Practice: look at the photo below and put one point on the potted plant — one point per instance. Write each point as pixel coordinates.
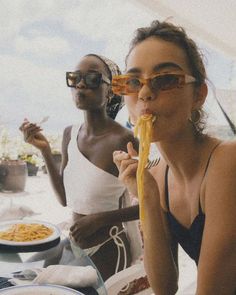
(33, 163)
(55, 142)
(31, 156)
(13, 171)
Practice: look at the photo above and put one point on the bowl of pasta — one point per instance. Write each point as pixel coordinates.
(27, 236)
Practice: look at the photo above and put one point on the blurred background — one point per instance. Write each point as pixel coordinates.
(42, 39)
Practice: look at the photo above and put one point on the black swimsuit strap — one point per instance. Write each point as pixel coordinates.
(205, 172)
(166, 188)
(209, 158)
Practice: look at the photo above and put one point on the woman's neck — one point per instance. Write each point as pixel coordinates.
(131, 122)
(97, 123)
(183, 155)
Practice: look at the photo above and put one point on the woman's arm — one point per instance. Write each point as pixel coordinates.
(89, 224)
(159, 260)
(32, 134)
(120, 215)
(160, 251)
(217, 264)
(56, 176)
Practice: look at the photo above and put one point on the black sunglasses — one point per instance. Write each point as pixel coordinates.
(91, 79)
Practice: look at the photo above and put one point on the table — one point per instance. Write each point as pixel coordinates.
(12, 262)
(38, 201)
(43, 205)
(39, 197)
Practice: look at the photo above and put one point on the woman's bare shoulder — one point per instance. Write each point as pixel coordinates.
(224, 155)
(66, 135)
(158, 172)
(120, 129)
(122, 135)
(67, 131)
(220, 182)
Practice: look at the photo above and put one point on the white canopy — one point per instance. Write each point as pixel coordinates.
(211, 21)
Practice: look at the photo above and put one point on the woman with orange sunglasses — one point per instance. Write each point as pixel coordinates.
(190, 197)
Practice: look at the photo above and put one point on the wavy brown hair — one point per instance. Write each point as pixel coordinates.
(176, 35)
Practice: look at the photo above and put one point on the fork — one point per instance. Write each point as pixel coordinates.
(21, 275)
(150, 163)
(43, 120)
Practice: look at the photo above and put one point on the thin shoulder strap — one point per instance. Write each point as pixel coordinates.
(205, 172)
(74, 132)
(209, 158)
(166, 188)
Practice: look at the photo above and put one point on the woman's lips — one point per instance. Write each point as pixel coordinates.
(146, 112)
(80, 94)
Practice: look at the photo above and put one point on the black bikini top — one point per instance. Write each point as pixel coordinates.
(190, 238)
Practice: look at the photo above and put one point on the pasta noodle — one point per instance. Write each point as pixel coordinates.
(26, 232)
(143, 128)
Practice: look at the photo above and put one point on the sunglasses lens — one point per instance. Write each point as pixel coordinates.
(123, 85)
(72, 79)
(133, 85)
(93, 80)
(118, 85)
(165, 82)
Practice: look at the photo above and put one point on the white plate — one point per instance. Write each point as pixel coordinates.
(55, 235)
(39, 289)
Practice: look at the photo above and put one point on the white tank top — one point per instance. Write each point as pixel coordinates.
(88, 188)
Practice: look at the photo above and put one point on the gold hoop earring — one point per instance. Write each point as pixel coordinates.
(195, 117)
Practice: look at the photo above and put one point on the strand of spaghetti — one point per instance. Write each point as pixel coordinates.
(143, 128)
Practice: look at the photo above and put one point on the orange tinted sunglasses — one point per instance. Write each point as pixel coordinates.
(130, 84)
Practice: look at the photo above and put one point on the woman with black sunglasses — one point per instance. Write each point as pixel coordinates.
(190, 197)
(88, 181)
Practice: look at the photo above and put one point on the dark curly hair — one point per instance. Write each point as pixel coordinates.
(177, 35)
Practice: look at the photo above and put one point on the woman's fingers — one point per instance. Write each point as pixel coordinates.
(129, 171)
(124, 165)
(73, 232)
(131, 151)
(76, 233)
(72, 227)
(29, 130)
(29, 136)
(32, 129)
(127, 167)
(26, 126)
(119, 156)
(123, 160)
(25, 122)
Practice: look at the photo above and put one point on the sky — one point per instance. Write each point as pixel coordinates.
(42, 39)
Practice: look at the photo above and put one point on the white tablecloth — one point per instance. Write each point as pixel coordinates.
(40, 198)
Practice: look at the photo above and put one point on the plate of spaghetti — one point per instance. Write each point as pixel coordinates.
(25, 235)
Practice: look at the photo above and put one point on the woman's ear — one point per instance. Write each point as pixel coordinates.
(200, 95)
